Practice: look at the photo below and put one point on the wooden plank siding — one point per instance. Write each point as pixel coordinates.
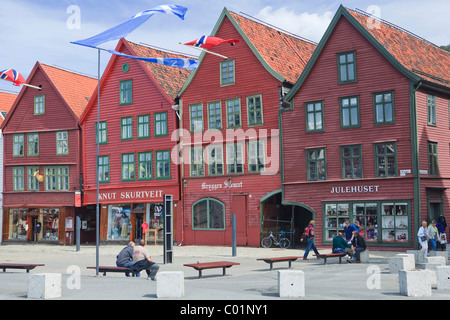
(374, 74)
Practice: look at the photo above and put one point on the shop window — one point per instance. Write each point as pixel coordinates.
(119, 225)
(314, 116)
(367, 215)
(208, 214)
(395, 222)
(161, 124)
(18, 224)
(335, 216)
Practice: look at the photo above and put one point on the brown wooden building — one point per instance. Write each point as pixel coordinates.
(230, 135)
(366, 133)
(136, 124)
(42, 138)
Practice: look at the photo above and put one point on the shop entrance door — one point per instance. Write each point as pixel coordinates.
(239, 208)
(138, 226)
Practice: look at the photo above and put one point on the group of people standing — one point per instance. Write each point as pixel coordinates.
(430, 236)
(137, 258)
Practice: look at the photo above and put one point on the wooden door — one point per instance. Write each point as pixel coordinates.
(239, 208)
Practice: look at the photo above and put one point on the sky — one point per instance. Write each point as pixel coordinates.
(42, 30)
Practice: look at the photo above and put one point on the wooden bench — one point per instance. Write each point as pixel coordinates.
(210, 265)
(330, 255)
(26, 266)
(106, 269)
(271, 261)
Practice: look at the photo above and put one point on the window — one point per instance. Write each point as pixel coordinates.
(235, 158)
(103, 134)
(143, 126)
(316, 164)
(103, 169)
(128, 167)
(196, 117)
(346, 67)
(57, 178)
(62, 143)
(215, 115)
(208, 214)
(384, 107)
(18, 145)
(256, 156)
(126, 125)
(126, 92)
(227, 73)
(349, 112)
(314, 116)
(197, 164)
(39, 105)
(335, 216)
(233, 113)
(431, 106)
(163, 164)
(433, 164)
(145, 166)
(254, 110)
(215, 160)
(394, 222)
(33, 183)
(386, 159)
(161, 124)
(18, 179)
(351, 158)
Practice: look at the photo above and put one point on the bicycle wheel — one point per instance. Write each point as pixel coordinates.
(266, 242)
(284, 243)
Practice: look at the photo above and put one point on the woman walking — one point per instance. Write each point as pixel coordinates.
(422, 235)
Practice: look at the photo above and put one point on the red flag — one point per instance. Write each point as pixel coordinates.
(12, 75)
(209, 42)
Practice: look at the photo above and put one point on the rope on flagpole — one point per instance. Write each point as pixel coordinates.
(207, 51)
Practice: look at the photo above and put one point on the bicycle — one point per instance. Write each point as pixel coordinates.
(281, 241)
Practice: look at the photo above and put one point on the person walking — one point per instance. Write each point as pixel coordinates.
(310, 235)
(422, 235)
(433, 235)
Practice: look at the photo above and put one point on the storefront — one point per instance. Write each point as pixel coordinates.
(33, 224)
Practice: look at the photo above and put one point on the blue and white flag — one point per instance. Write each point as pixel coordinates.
(189, 64)
(123, 29)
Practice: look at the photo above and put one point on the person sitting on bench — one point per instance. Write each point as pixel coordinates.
(358, 245)
(125, 258)
(142, 261)
(341, 246)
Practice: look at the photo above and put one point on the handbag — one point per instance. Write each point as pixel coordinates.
(423, 239)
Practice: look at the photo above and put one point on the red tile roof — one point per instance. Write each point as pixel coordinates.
(171, 79)
(419, 56)
(285, 53)
(75, 88)
(6, 101)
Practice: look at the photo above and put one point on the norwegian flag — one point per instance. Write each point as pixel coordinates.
(209, 42)
(12, 75)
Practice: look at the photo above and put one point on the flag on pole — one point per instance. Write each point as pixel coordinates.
(209, 42)
(123, 29)
(189, 64)
(12, 75)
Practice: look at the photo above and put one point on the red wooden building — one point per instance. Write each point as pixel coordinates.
(230, 136)
(136, 124)
(366, 132)
(42, 139)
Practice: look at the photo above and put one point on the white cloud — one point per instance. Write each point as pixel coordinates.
(308, 25)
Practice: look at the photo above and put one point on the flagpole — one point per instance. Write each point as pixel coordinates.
(97, 213)
(31, 86)
(207, 51)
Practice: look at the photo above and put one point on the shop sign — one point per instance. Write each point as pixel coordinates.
(221, 186)
(130, 195)
(355, 189)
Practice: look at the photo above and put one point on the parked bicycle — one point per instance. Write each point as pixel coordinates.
(280, 241)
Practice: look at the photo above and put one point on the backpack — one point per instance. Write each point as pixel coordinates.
(305, 234)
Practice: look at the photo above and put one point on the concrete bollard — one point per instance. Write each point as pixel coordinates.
(291, 283)
(170, 284)
(401, 262)
(44, 285)
(443, 277)
(418, 255)
(415, 283)
(364, 256)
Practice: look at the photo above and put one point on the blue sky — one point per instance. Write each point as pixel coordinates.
(41, 30)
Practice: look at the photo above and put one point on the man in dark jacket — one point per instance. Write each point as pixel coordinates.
(125, 257)
(358, 245)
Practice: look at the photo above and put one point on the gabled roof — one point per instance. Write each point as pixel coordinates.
(6, 102)
(413, 56)
(76, 89)
(284, 55)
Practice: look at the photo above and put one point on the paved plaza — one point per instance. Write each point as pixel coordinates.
(252, 280)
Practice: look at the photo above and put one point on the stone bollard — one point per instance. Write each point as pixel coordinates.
(291, 283)
(418, 255)
(44, 285)
(415, 283)
(401, 262)
(170, 284)
(443, 277)
(364, 256)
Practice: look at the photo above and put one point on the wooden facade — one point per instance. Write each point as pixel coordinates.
(137, 121)
(42, 135)
(356, 146)
(231, 152)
